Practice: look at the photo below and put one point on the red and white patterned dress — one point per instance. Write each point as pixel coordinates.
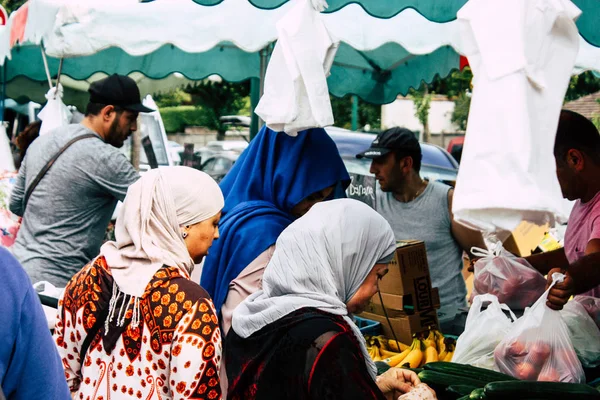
(174, 353)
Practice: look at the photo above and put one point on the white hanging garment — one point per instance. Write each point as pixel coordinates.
(54, 114)
(296, 96)
(522, 54)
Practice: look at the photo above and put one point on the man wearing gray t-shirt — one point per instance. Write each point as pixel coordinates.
(422, 210)
(67, 213)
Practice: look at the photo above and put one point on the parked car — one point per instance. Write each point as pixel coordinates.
(218, 166)
(437, 164)
(176, 151)
(455, 147)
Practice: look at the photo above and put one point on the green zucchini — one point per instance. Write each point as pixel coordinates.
(415, 370)
(440, 381)
(381, 367)
(468, 371)
(477, 394)
(517, 390)
(457, 391)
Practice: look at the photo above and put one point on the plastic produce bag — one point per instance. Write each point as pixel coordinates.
(55, 114)
(591, 305)
(585, 335)
(538, 347)
(512, 279)
(483, 331)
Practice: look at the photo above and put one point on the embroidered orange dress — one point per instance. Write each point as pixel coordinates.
(174, 353)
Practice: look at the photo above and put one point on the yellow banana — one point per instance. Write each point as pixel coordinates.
(449, 356)
(431, 355)
(377, 355)
(397, 359)
(396, 346)
(387, 354)
(371, 351)
(413, 359)
(430, 340)
(439, 338)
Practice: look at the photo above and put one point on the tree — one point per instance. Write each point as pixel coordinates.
(12, 5)
(582, 85)
(460, 115)
(173, 98)
(422, 100)
(368, 114)
(219, 98)
(458, 82)
(596, 117)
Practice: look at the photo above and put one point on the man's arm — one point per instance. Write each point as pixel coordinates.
(544, 262)
(18, 191)
(466, 238)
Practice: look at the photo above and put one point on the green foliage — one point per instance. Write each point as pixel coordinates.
(582, 85)
(219, 98)
(422, 103)
(368, 114)
(12, 5)
(173, 98)
(454, 84)
(596, 117)
(177, 118)
(460, 115)
(422, 100)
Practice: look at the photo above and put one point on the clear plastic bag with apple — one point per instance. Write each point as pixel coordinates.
(585, 335)
(538, 347)
(512, 279)
(591, 305)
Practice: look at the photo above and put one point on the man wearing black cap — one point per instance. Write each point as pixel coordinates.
(422, 210)
(69, 183)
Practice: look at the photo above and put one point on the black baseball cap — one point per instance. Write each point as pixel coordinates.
(390, 140)
(118, 90)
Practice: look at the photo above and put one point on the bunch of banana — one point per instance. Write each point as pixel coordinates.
(374, 353)
(448, 351)
(411, 357)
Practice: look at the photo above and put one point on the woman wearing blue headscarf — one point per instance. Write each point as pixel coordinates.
(276, 180)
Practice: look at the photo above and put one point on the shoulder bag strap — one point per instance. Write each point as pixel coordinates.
(49, 164)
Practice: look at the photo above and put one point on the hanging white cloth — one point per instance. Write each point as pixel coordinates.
(522, 54)
(296, 96)
(55, 113)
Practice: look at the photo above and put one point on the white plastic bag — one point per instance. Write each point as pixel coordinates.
(585, 335)
(483, 331)
(48, 289)
(538, 347)
(54, 114)
(591, 305)
(512, 279)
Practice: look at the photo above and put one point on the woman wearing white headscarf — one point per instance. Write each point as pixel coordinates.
(294, 339)
(131, 323)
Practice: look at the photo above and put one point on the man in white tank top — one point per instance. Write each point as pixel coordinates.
(422, 210)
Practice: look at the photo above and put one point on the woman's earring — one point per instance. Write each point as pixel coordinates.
(184, 235)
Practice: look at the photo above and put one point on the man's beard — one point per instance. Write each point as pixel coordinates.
(113, 137)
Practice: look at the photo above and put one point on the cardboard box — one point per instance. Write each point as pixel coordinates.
(409, 271)
(405, 326)
(407, 302)
(525, 238)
